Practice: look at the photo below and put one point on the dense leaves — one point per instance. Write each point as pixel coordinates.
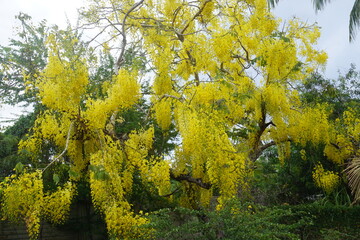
(24, 58)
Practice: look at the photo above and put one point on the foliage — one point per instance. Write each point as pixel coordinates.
(25, 57)
(249, 221)
(339, 94)
(235, 221)
(22, 125)
(8, 153)
(291, 182)
(10, 160)
(328, 218)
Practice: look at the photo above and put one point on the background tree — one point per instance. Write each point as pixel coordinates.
(20, 63)
(292, 181)
(340, 94)
(24, 58)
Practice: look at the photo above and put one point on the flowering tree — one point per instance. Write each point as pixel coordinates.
(223, 75)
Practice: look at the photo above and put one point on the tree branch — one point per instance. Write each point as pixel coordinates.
(124, 41)
(257, 153)
(65, 149)
(173, 192)
(195, 16)
(188, 178)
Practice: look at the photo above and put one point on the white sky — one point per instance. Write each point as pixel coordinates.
(53, 11)
(333, 20)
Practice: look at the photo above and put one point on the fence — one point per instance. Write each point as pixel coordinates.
(83, 224)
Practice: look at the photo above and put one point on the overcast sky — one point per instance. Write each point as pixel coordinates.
(333, 20)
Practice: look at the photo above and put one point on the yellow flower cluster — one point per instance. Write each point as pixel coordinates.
(340, 150)
(327, 180)
(310, 125)
(22, 200)
(162, 84)
(137, 147)
(207, 13)
(56, 205)
(208, 150)
(162, 110)
(112, 178)
(277, 101)
(210, 94)
(123, 223)
(341, 143)
(284, 151)
(279, 58)
(63, 82)
(108, 194)
(123, 93)
(159, 174)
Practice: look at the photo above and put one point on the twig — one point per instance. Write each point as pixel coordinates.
(173, 192)
(120, 59)
(65, 149)
(195, 16)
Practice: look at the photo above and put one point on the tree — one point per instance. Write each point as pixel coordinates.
(222, 77)
(354, 19)
(340, 94)
(343, 99)
(293, 181)
(23, 58)
(10, 160)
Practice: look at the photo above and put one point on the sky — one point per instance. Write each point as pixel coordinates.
(333, 21)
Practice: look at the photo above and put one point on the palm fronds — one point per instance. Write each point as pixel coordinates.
(272, 3)
(354, 20)
(353, 173)
(320, 4)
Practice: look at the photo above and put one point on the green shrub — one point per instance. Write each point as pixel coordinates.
(330, 221)
(235, 221)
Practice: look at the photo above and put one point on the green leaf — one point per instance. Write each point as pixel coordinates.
(285, 39)
(101, 175)
(73, 174)
(19, 167)
(56, 178)
(99, 172)
(93, 168)
(297, 66)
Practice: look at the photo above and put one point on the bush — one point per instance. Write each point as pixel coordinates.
(330, 221)
(235, 221)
